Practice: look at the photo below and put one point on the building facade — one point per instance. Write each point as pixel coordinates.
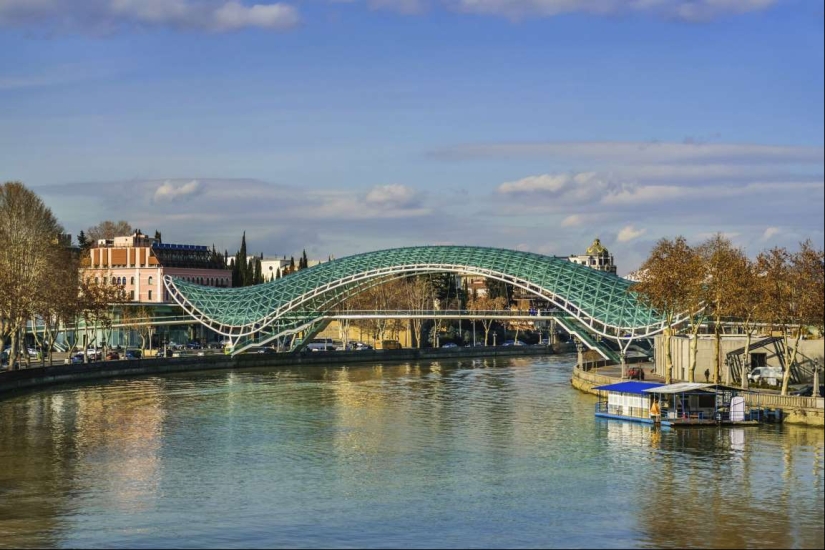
(596, 257)
(138, 263)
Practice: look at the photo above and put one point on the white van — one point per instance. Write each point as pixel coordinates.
(772, 375)
(321, 344)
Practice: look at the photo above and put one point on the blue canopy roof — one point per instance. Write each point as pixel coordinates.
(631, 386)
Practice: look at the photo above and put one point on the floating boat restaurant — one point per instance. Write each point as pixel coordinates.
(684, 404)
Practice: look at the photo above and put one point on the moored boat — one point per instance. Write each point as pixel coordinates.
(677, 405)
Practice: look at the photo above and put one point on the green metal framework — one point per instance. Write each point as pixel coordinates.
(600, 301)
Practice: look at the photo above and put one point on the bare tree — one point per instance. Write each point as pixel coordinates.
(663, 287)
(136, 318)
(417, 298)
(485, 303)
(56, 302)
(719, 257)
(794, 296)
(108, 230)
(29, 234)
(693, 275)
(96, 301)
(748, 304)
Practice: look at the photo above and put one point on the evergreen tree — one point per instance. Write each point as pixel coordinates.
(304, 260)
(83, 240)
(499, 289)
(160, 240)
(258, 276)
(236, 272)
(291, 264)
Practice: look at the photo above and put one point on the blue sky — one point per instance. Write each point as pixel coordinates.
(343, 127)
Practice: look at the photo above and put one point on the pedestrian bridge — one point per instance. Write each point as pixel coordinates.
(598, 301)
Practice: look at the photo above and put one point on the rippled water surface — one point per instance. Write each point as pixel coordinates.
(476, 453)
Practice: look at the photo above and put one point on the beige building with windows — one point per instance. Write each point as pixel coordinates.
(138, 263)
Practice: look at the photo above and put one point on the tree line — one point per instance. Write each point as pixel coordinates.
(247, 271)
(40, 279)
(715, 282)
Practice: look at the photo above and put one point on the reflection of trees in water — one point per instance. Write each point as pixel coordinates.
(710, 492)
(34, 462)
(112, 434)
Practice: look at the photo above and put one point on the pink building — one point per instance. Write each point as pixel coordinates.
(139, 263)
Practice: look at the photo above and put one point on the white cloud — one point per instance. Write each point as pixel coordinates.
(169, 192)
(572, 220)
(104, 16)
(629, 233)
(769, 232)
(394, 195)
(567, 188)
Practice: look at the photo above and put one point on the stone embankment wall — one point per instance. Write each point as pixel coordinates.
(58, 374)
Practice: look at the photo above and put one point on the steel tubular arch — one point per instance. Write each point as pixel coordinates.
(600, 301)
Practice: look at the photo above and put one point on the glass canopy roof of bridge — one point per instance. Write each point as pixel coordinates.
(590, 295)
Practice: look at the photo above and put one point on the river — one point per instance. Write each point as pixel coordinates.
(471, 453)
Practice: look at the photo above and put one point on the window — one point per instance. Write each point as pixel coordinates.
(96, 280)
(114, 280)
(150, 295)
(150, 292)
(131, 294)
(132, 281)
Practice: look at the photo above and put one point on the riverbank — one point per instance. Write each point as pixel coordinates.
(804, 411)
(35, 377)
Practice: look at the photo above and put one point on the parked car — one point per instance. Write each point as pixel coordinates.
(112, 356)
(513, 343)
(193, 344)
(808, 391)
(450, 345)
(355, 345)
(133, 354)
(76, 358)
(772, 375)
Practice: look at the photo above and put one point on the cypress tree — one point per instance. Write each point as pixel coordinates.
(258, 276)
(82, 240)
(304, 260)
